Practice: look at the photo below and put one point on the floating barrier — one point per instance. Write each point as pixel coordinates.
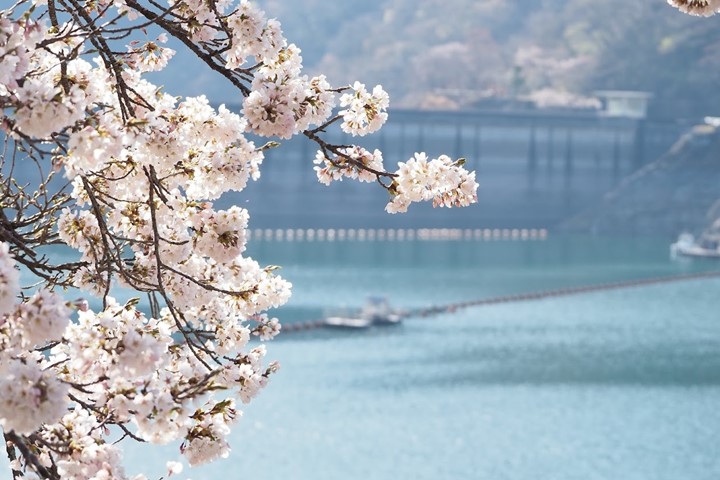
(397, 234)
(560, 292)
(522, 297)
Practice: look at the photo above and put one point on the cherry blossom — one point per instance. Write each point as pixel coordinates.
(31, 396)
(149, 56)
(440, 179)
(144, 172)
(703, 8)
(354, 162)
(365, 112)
(9, 278)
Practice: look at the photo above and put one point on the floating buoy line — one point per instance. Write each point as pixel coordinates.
(520, 297)
(395, 234)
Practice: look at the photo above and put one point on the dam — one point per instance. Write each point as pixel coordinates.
(535, 169)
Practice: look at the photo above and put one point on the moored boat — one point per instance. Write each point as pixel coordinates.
(375, 312)
(707, 246)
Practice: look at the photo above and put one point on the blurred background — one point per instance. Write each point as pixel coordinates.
(568, 111)
(591, 126)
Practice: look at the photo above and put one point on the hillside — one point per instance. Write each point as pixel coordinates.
(451, 54)
(676, 193)
(429, 53)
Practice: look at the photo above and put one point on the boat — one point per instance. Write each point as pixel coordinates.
(375, 312)
(342, 321)
(707, 246)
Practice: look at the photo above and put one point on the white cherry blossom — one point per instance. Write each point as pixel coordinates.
(30, 396)
(702, 8)
(145, 171)
(9, 278)
(365, 112)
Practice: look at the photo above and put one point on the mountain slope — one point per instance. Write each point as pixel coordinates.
(670, 195)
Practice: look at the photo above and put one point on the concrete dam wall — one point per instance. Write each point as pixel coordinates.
(534, 169)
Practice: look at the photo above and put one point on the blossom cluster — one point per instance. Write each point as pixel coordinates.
(132, 373)
(283, 103)
(9, 280)
(441, 180)
(149, 56)
(17, 40)
(31, 395)
(702, 8)
(365, 112)
(145, 170)
(143, 183)
(353, 162)
(42, 105)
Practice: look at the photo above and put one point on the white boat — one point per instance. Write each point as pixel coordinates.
(376, 311)
(347, 322)
(708, 246)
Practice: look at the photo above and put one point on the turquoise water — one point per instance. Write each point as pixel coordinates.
(423, 273)
(606, 385)
(617, 384)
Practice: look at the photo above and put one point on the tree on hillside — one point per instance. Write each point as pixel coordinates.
(98, 158)
(398, 44)
(576, 47)
(583, 46)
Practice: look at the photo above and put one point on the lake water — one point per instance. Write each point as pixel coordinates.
(617, 384)
(621, 384)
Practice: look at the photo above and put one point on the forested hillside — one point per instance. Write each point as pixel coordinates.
(454, 53)
(451, 52)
